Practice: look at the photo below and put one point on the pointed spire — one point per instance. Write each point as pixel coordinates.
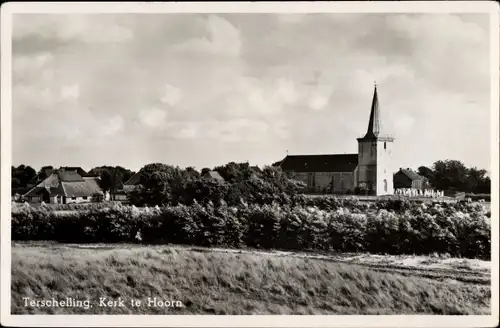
(374, 126)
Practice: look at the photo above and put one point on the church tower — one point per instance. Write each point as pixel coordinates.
(374, 155)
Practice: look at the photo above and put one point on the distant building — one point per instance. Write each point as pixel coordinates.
(255, 169)
(213, 175)
(42, 175)
(132, 183)
(367, 170)
(406, 178)
(46, 172)
(65, 187)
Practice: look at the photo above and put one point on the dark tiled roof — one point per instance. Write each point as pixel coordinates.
(320, 163)
(410, 174)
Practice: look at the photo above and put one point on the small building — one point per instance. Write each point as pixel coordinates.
(132, 183)
(65, 187)
(406, 178)
(213, 175)
(42, 175)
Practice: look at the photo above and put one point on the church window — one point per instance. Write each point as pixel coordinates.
(385, 145)
(385, 185)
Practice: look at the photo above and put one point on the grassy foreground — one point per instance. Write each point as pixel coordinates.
(209, 282)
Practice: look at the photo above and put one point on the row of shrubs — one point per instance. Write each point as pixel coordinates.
(458, 230)
(325, 202)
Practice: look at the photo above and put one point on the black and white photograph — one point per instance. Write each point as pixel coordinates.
(206, 161)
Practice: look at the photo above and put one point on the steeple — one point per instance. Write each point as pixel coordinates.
(374, 126)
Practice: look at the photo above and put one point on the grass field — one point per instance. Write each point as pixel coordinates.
(208, 281)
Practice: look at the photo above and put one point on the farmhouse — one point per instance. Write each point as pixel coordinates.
(64, 187)
(47, 171)
(406, 178)
(366, 171)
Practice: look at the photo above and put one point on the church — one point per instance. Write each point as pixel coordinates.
(367, 172)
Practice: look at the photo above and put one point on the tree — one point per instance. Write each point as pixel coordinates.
(111, 178)
(478, 182)
(21, 175)
(450, 175)
(234, 172)
(158, 185)
(425, 172)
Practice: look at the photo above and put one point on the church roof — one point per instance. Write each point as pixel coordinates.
(320, 163)
(374, 130)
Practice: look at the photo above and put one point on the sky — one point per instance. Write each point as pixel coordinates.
(206, 89)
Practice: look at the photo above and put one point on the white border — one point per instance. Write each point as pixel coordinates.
(8, 9)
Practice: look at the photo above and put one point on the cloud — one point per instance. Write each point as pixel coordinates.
(153, 117)
(318, 101)
(172, 95)
(291, 18)
(69, 92)
(84, 28)
(249, 84)
(22, 64)
(113, 125)
(223, 39)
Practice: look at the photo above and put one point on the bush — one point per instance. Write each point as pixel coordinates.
(321, 224)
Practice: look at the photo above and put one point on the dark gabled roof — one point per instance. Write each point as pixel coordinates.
(134, 180)
(411, 175)
(213, 175)
(255, 168)
(69, 176)
(320, 163)
(37, 179)
(77, 169)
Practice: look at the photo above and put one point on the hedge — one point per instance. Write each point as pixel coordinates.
(393, 227)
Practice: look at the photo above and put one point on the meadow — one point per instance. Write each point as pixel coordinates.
(213, 281)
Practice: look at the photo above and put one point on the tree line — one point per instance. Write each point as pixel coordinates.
(454, 175)
(165, 183)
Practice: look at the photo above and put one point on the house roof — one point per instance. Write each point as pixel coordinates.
(19, 191)
(78, 170)
(320, 163)
(36, 179)
(410, 174)
(87, 187)
(134, 180)
(255, 168)
(213, 175)
(70, 176)
(69, 185)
